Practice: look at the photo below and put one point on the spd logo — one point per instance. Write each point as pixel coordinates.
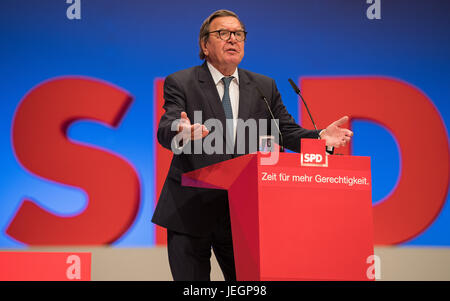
(308, 159)
(313, 153)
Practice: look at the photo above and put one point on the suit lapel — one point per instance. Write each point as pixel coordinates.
(209, 90)
(245, 99)
(212, 97)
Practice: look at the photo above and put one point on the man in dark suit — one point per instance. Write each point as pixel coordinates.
(198, 219)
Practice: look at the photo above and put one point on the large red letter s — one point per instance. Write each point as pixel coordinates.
(42, 147)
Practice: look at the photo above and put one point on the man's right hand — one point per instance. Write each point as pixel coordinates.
(191, 131)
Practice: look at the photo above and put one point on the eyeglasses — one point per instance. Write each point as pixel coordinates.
(225, 35)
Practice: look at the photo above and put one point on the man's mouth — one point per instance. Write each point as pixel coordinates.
(231, 50)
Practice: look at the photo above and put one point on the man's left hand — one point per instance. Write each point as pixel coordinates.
(336, 136)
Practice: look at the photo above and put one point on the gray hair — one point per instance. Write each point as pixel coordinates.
(204, 29)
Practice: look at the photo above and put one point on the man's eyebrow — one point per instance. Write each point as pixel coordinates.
(228, 29)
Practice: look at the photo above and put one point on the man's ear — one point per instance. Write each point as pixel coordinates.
(204, 48)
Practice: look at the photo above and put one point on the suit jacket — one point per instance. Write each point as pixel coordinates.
(195, 211)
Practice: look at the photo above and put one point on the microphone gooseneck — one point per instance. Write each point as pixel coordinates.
(273, 118)
(297, 91)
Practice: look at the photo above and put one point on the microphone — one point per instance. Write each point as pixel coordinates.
(297, 91)
(330, 149)
(273, 118)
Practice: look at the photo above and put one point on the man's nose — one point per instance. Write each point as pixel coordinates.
(232, 38)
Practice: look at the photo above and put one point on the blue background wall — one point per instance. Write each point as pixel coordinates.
(130, 43)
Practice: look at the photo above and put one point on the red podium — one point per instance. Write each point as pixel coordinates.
(305, 216)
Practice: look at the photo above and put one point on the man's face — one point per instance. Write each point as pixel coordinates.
(224, 55)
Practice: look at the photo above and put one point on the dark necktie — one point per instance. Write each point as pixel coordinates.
(226, 102)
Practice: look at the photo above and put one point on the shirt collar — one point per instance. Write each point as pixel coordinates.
(217, 75)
